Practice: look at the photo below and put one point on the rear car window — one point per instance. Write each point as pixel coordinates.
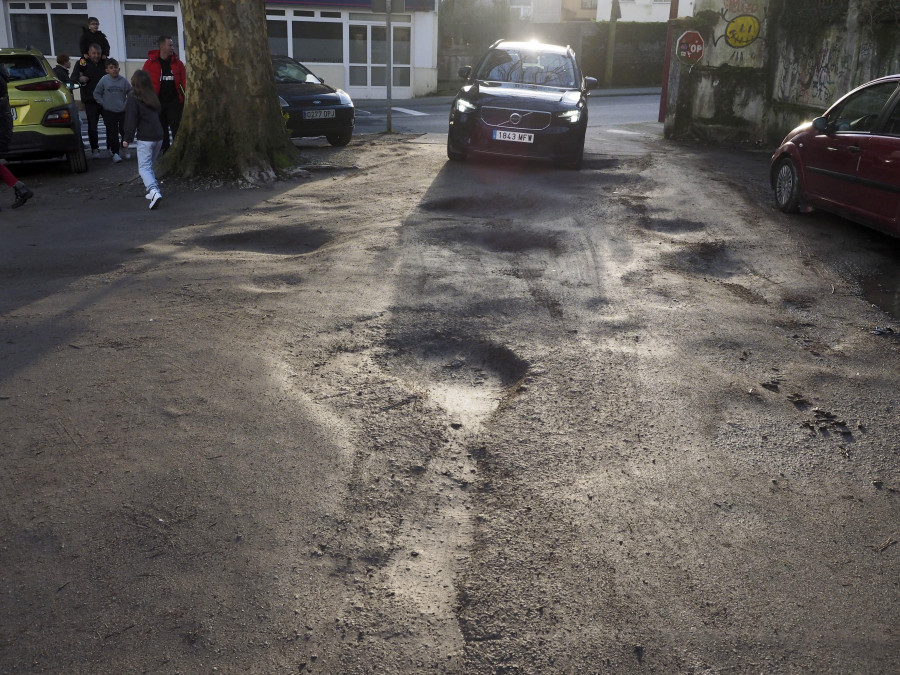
(22, 67)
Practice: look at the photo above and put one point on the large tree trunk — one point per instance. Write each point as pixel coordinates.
(232, 125)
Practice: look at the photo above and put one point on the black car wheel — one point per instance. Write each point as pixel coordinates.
(341, 139)
(455, 155)
(77, 160)
(575, 162)
(787, 186)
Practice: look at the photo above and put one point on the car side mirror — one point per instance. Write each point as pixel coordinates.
(822, 125)
(464, 72)
(591, 82)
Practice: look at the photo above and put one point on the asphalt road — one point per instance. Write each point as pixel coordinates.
(430, 114)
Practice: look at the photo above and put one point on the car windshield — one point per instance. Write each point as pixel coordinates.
(22, 67)
(546, 69)
(291, 72)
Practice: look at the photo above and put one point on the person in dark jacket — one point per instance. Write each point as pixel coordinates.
(142, 119)
(88, 72)
(168, 75)
(61, 69)
(92, 35)
(23, 194)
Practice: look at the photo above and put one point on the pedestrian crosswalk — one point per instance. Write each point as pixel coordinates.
(101, 134)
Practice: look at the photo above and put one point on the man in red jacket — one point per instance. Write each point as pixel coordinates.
(168, 76)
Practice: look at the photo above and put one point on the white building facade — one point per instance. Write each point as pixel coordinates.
(343, 41)
(643, 10)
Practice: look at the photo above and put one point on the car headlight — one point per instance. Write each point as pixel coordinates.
(345, 97)
(571, 115)
(463, 106)
(282, 102)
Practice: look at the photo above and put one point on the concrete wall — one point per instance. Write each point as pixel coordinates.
(770, 64)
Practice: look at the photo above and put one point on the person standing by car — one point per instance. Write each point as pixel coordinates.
(88, 72)
(92, 35)
(168, 75)
(61, 69)
(110, 93)
(23, 194)
(142, 119)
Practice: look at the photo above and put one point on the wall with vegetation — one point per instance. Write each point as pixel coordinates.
(637, 60)
(770, 64)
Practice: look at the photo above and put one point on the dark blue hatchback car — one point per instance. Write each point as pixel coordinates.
(523, 99)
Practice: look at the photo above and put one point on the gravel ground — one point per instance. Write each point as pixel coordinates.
(399, 415)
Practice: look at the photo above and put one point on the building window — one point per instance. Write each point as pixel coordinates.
(55, 32)
(588, 4)
(369, 52)
(142, 34)
(278, 37)
(144, 23)
(318, 41)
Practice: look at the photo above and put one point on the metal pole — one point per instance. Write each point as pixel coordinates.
(667, 61)
(390, 64)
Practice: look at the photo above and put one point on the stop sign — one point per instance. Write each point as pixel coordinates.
(690, 47)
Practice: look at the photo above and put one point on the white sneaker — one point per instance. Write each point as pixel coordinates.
(154, 198)
(95, 154)
(115, 158)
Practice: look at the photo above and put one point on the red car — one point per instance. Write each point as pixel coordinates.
(848, 160)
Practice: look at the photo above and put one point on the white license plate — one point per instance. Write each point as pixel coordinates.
(516, 136)
(317, 114)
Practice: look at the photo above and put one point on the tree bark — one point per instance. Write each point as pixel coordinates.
(232, 125)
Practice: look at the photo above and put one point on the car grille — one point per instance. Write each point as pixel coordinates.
(510, 118)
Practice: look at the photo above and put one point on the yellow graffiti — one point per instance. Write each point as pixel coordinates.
(742, 31)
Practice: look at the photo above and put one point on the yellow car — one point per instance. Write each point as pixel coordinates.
(45, 117)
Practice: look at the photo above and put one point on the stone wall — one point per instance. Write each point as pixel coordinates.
(770, 64)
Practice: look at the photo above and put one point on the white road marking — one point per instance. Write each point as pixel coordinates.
(622, 131)
(410, 112)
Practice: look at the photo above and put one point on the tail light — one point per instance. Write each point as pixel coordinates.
(43, 85)
(58, 117)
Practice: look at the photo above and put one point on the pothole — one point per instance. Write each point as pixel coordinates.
(289, 239)
(487, 204)
(672, 225)
(500, 239)
(883, 291)
(709, 257)
(279, 283)
(467, 377)
(599, 163)
(744, 293)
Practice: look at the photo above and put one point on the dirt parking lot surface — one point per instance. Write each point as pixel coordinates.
(403, 415)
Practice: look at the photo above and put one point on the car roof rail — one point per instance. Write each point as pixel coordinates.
(498, 42)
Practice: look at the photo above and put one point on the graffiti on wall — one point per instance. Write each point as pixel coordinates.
(812, 78)
(742, 31)
(739, 36)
